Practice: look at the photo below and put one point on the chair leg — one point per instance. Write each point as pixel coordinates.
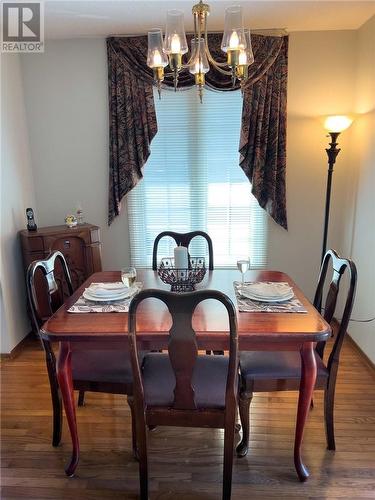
(142, 453)
(228, 460)
(329, 400)
(244, 410)
(81, 398)
(134, 429)
(56, 400)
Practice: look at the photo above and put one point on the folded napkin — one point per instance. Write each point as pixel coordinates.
(106, 289)
(271, 290)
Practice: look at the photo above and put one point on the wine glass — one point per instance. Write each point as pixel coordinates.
(128, 276)
(243, 265)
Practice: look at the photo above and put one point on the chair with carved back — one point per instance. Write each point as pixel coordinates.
(281, 371)
(181, 387)
(107, 371)
(184, 240)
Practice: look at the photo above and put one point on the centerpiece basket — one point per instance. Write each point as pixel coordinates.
(182, 280)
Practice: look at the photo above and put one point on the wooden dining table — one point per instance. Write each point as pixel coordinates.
(257, 331)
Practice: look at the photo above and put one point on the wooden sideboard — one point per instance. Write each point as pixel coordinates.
(80, 246)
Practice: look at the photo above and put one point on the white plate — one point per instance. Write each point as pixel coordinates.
(249, 295)
(109, 298)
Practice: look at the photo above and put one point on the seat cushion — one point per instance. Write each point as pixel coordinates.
(208, 381)
(270, 365)
(112, 366)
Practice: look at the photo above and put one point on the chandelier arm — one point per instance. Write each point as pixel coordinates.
(187, 65)
(190, 60)
(216, 65)
(210, 58)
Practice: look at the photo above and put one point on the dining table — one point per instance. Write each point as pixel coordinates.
(257, 331)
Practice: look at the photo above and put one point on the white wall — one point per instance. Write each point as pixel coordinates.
(67, 109)
(363, 235)
(320, 82)
(17, 193)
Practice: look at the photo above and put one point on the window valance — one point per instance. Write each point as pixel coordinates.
(133, 121)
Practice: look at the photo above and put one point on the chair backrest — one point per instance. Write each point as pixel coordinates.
(184, 240)
(182, 346)
(340, 266)
(46, 295)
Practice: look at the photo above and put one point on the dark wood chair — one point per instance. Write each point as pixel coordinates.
(281, 371)
(106, 371)
(182, 388)
(183, 239)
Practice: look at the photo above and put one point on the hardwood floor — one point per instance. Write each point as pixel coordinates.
(184, 463)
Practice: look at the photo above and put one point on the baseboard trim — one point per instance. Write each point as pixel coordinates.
(364, 356)
(18, 348)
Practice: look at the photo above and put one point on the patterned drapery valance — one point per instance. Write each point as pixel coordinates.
(133, 122)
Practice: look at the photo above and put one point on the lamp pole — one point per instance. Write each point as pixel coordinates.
(332, 153)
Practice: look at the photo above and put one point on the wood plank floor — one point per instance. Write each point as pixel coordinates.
(184, 463)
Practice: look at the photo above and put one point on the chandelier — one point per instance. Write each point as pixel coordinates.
(236, 43)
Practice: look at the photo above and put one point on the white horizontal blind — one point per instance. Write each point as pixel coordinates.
(192, 181)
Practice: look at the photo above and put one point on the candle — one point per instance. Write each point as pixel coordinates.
(181, 258)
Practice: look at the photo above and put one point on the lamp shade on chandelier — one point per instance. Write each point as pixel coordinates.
(236, 43)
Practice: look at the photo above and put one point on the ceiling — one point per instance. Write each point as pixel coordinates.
(70, 19)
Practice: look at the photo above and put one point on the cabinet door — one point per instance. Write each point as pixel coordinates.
(74, 250)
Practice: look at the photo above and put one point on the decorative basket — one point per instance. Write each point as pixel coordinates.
(182, 280)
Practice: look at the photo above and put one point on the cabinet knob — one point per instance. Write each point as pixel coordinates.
(66, 244)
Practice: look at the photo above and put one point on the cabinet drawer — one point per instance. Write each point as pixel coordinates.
(35, 244)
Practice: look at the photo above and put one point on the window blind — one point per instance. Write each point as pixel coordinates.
(192, 181)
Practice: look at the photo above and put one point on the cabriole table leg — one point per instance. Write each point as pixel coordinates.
(308, 378)
(64, 376)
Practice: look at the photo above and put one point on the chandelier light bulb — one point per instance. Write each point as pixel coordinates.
(198, 67)
(157, 59)
(234, 41)
(175, 44)
(242, 60)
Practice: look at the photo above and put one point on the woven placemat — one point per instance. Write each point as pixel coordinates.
(249, 305)
(87, 306)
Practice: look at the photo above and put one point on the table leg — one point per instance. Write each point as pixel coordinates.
(307, 384)
(64, 376)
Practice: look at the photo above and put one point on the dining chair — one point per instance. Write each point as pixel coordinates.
(181, 387)
(94, 370)
(267, 371)
(183, 239)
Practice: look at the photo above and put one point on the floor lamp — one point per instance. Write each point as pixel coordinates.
(335, 125)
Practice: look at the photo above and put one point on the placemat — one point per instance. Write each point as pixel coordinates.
(248, 305)
(87, 306)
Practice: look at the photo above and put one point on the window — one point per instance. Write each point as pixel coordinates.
(192, 181)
